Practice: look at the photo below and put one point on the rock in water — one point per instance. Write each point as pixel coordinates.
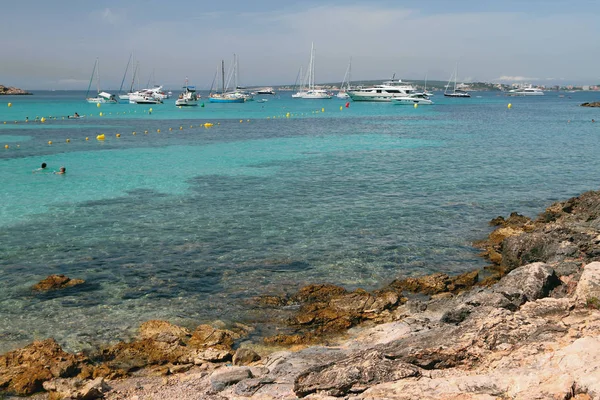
(53, 282)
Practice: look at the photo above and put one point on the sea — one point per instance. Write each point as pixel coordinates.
(190, 214)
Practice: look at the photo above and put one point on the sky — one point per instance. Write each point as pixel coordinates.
(54, 44)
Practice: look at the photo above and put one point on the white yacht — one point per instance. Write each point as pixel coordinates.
(411, 99)
(317, 94)
(528, 91)
(387, 91)
(188, 97)
(144, 97)
(267, 90)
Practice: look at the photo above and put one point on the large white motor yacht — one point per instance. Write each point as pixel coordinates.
(386, 91)
(528, 91)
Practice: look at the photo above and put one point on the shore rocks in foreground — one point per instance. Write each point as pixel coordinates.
(23, 371)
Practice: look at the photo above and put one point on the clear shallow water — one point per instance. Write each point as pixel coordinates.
(188, 225)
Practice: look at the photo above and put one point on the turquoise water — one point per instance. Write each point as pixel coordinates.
(190, 224)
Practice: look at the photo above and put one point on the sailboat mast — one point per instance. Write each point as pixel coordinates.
(91, 79)
(133, 78)
(235, 71)
(125, 74)
(455, 76)
(98, 77)
(223, 75)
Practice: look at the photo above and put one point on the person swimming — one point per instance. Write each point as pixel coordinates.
(40, 169)
(61, 171)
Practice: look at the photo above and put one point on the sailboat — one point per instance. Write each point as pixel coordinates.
(224, 97)
(313, 93)
(239, 91)
(345, 86)
(300, 90)
(124, 98)
(455, 92)
(424, 92)
(101, 97)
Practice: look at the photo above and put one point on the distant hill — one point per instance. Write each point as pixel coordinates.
(4, 90)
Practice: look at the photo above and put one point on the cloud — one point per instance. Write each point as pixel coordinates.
(111, 17)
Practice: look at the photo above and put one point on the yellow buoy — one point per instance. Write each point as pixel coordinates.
(323, 109)
(181, 128)
(43, 119)
(98, 105)
(416, 105)
(191, 126)
(118, 135)
(170, 129)
(87, 138)
(133, 133)
(68, 140)
(10, 104)
(6, 146)
(49, 141)
(241, 120)
(509, 106)
(100, 112)
(100, 137)
(208, 125)
(341, 108)
(287, 115)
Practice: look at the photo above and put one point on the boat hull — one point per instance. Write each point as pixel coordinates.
(222, 100)
(463, 95)
(186, 103)
(411, 101)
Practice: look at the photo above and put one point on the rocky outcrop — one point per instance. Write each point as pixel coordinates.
(567, 232)
(54, 282)
(23, 371)
(592, 104)
(4, 90)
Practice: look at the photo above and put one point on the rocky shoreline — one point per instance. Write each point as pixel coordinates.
(526, 327)
(12, 91)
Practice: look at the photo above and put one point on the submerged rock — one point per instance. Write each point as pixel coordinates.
(54, 282)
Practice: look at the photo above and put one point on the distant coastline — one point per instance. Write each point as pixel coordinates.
(4, 90)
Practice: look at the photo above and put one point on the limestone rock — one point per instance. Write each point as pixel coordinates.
(206, 336)
(352, 375)
(76, 389)
(224, 377)
(244, 356)
(588, 287)
(163, 331)
(53, 282)
(23, 371)
(527, 283)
